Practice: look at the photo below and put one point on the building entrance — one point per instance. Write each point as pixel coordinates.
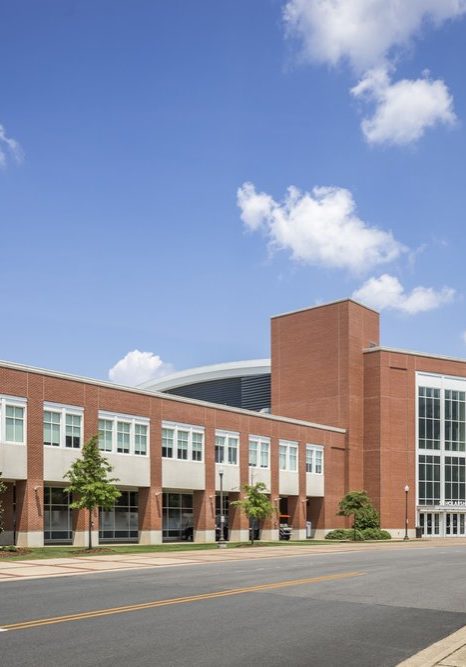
(455, 524)
(430, 523)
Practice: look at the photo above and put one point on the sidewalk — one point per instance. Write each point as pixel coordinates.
(449, 652)
(60, 567)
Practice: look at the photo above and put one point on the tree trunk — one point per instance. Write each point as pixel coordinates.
(90, 529)
(253, 531)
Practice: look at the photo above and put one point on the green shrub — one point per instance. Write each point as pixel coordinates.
(376, 534)
(367, 517)
(339, 534)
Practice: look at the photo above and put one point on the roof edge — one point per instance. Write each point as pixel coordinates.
(413, 353)
(323, 305)
(169, 397)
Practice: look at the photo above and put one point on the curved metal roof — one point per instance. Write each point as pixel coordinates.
(229, 369)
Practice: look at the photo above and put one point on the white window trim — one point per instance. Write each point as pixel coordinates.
(261, 440)
(64, 410)
(15, 402)
(190, 428)
(227, 434)
(132, 420)
(313, 449)
(288, 444)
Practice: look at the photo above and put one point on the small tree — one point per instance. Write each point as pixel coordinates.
(256, 504)
(2, 491)
(89, 482)
(358, 505)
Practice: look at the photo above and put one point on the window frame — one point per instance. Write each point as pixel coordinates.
(63, 411)
(7, 401)
(118, 418)
(226, 446)
(312, 450)
(288, 445)
(190, 429)
(262, 443)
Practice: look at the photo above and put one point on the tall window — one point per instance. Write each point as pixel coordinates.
(429, 418)
(429, 479)
(123, 434)
(314, 459)
(454, 420)
(12, 420)
(455, 483)
(182, 442)
(226, 447)
(288, 455)
(259, 452)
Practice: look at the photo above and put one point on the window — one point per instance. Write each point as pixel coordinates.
(455, 482)
(429, 418)
(12, 420)
(182, 442)
(288, 455)
(259, 452)
(123, 434)
(314, 459)
(63, 426)
(226, 447)
(454, 420)
(429, 480)
(140, 439)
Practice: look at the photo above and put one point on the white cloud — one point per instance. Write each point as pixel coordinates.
(137, 367)
(9, 146)
(364, 33)
(319, 227)
(386, 292)
(403, 110)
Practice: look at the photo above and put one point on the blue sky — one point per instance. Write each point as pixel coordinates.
(137, 122)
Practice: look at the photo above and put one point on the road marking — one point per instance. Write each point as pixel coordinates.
(24, 625)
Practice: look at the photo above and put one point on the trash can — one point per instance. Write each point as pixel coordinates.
(308, 530)
(418, 532)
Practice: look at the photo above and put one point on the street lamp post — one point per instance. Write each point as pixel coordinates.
(221, 541)
(406, 512)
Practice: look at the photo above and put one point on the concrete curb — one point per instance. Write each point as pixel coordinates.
(448, 652)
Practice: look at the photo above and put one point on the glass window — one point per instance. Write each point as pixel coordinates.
(282, 453)
(264, 455)
(319, 459)
(309, 459)
(233, 450)
(123, 437)
(455, 483)
(454, 420)
(105, 434)
(167, 442)
(429, 418)
(52, 428)
(140, 439)
(198, 441)
(429, 479)
(293, 457)
(220, 441)
(253, 453)
(14, 424)
(182, 445)
(73, 431)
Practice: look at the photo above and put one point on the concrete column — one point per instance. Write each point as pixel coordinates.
(238, 523)
(204, 516)
(150, 515)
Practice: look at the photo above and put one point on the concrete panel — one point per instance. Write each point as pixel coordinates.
(314, 484)
(231, 478)
(260, 475)
(57, 462)
(183, 475)
(130, 470)
(13, 461)
(288, 484)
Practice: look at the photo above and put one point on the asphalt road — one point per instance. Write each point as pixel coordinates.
(355, 609)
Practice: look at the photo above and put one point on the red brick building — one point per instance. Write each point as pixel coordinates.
(345, 414)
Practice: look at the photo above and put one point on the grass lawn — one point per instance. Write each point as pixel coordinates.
(72, 552)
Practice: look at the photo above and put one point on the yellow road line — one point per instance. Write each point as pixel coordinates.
(171, 601)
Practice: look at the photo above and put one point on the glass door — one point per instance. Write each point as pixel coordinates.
(430, 524)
